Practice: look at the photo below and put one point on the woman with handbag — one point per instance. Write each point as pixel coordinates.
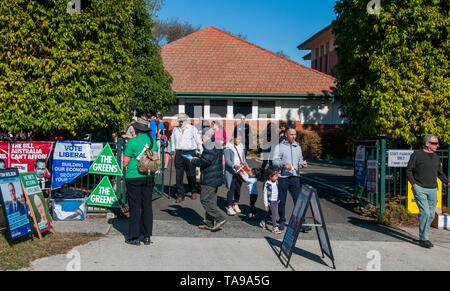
(139, 184)
(234, 164)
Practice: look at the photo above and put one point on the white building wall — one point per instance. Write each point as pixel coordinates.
(311, 112)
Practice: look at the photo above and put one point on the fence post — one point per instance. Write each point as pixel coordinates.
(383, 175)
(448, 176)
(119, 161)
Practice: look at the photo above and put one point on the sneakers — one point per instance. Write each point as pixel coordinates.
(218, 225)
(276, 230)
(426, 244)
(230, 211)
(236, 208)
(262, 224)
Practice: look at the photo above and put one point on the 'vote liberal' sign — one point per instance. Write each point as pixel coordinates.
(71, 160)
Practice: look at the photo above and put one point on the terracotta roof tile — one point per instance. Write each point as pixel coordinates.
(212, 60)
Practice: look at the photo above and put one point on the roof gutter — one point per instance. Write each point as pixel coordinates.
(257, 96)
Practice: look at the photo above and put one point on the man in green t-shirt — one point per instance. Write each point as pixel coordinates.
(423, 169)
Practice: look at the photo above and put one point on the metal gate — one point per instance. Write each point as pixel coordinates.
(377, 183)
(87, 183)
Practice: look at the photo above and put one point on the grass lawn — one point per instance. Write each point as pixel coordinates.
(25, 250)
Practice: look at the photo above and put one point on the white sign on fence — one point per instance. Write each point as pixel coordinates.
(399, 158)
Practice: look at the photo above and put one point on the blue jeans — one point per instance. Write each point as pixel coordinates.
(426, 199)
(284, 184)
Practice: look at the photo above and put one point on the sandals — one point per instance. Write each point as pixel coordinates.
(276, 230)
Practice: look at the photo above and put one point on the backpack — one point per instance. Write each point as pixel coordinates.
(149, 162)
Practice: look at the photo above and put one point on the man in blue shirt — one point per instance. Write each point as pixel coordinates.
(288, 158)
(155, 126)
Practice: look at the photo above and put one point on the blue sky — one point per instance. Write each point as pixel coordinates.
(273, 24)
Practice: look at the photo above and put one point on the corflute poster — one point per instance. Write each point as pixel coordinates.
(14, 203)
(71, 160)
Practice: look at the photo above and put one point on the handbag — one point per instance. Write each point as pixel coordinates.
(149, 162)
(244, 170)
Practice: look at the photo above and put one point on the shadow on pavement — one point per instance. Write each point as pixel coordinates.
(187, 214)
(276, 246)
(389, 231)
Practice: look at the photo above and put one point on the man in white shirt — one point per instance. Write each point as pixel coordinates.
(185, 141)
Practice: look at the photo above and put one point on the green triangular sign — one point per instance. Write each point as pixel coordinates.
(104, 195)
(106, 164)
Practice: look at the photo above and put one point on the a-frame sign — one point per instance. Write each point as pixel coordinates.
(307, 197)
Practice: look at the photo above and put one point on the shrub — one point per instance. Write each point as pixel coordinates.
(310, 142)
(336, 143)
(395, 214)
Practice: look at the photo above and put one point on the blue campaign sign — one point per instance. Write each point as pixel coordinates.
(71, 160)
(360, 166)
(14, 203)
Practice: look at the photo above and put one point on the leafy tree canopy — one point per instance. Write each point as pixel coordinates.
(77, 73)
(393, 70)
(151, 84)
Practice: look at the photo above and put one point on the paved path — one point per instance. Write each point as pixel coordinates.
(242, 245)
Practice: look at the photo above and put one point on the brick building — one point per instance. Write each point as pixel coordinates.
(323, 55)
(220, 76)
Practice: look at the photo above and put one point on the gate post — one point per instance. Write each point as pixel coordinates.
(448, 176)
(383, 175)
(119, 189)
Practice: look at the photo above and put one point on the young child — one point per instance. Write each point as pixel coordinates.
(271, 200)
(251, 181)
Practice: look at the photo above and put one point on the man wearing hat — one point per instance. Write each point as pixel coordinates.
(185, 141)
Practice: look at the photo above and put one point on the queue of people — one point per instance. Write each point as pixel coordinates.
(221, 161)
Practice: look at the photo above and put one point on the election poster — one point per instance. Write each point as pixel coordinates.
(71, 160)
(28, 157)
(39, 209)
(372, 166)
(360, 160)
(103, 195)
(14, 204)
(106, 163)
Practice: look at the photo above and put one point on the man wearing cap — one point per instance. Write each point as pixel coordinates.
(185, 141)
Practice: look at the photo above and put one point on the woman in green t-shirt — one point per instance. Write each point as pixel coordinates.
(139, 186)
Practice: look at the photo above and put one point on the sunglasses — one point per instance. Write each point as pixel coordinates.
(433, 143)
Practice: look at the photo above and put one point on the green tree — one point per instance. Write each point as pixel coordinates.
(393, 70)
(151, 85)
(61, 71)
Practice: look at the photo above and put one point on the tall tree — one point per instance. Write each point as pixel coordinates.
(64, 72)
(168, 31)
(151, 84)
(393, 70)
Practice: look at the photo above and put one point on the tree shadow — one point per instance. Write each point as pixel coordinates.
(393, 232)
(276, 246)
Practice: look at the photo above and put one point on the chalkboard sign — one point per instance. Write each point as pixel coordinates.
(14, 205)
(307, 197)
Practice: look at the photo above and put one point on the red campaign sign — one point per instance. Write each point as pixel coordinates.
(24, 156)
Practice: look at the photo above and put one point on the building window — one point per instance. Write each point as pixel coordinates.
(194, 110)
(218, 108)
(266, 109)
(173, 111)
(240, 108)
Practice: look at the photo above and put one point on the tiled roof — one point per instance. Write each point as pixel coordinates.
(212, 60)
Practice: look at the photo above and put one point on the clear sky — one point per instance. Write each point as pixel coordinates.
(272, 24)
